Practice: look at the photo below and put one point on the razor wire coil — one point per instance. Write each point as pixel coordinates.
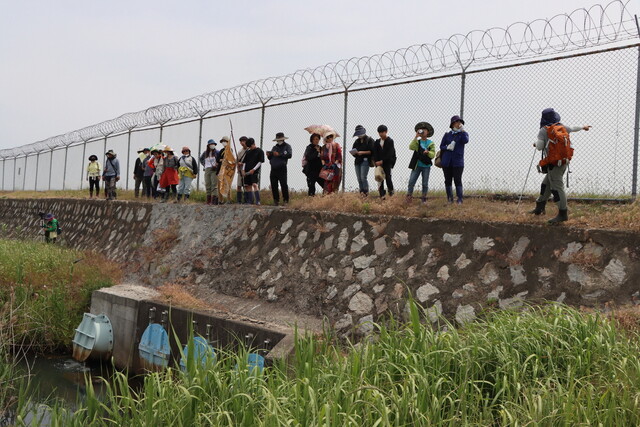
(581, 29)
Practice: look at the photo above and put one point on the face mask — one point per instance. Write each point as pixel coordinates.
(211, 147)
(280, 142)
(224, 143)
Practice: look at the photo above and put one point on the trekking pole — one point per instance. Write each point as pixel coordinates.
(527, 178)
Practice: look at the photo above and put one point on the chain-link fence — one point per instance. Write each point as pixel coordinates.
(499, 101)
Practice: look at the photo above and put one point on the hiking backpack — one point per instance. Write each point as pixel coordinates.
(559, 150)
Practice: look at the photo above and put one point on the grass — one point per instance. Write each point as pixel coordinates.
(484, 207)
(44, 289)
(543, 366)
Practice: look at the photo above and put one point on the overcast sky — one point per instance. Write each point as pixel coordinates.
(70, 64)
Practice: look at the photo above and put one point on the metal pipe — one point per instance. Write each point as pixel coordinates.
(50, 167)
(3, 170)
(84, 153)
(199, 151)
(15, 163)
(126, 184)
(104, 151)
(264, 106)
(344, 133)
(636, 129)
(24, 172)
(161, 128)
(64, 174)
(35, 186)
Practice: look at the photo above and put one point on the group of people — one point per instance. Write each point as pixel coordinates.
(161, 174)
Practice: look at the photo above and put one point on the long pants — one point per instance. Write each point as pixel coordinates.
(185, 185)
(147, 187)
(387, 177)
(138, 181)
(110, 187)
(94, 182)
(452, 173)
(154, 186)
(312, 179)
(413, 178)
(211, 182)
(279, 176)
(362, 172)
(554, 184)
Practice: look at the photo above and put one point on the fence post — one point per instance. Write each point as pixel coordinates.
(264, 107)
(13, 186)
(84, 153)
(64, 173)
(463, 82)
(35, 186)
(24, 173)
(636, 130)
(126, 184)
(50, 167)
(344, 132)
(199, 148)
(3, 170)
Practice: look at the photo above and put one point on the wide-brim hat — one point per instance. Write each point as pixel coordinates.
(280, 137)
(426, 126)
(224, 138)
(186, 149)
(455, 119)
(140, 150)
(168, 149)
(110, 152)
(211, 141)
(93, 157)
(360, 130)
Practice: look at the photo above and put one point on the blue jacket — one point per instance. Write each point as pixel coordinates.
(453, 158)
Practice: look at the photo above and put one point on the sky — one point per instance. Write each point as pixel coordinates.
(70, 64)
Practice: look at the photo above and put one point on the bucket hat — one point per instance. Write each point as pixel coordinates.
(360, 130)
(280, 137)
(426, 126)
(110, 152)
(455, 119)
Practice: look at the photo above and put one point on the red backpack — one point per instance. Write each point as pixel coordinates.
(559, 151)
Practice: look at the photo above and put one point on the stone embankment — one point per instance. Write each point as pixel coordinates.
(351, 269)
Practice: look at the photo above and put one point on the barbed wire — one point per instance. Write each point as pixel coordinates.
(583, 28)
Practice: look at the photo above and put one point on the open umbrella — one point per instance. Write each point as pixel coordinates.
(159, 147)
(322, 130)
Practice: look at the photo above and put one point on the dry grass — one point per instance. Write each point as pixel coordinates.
(175, 294)
(487, 209)
(583, 215)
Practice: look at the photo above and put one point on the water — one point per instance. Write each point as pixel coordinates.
(58, 379)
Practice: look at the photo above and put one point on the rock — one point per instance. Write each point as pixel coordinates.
(594, 295)
(434, 312)
(516, 252)
(401, 238)
(367, 275)
(352, 289)
(286, 240)
(411, 271)
(331, 273)
(462, 261)
(342, 240)
(398, 291)
(432, 258)
(562, 297)
(443, 273)
(380, 245)
(405, 258)
(424, 292)
(348, 274)
(254, 224)
(273, 253)
(345, 322)
(358, 242)
(452, 239)
(469, 287)
(388, 273)
(357, 226)
(332, 291)
(517, 275)
(365, 325)
(285, 226)
(615, 272)
(330, 226)
(303, 269)
(381, 304)
(302, 237)
(483, 244)
(328, 242)
(363, 261)
(457, 294)
(465, 314)
(488, 274)
(361, 303)
(513, 302)
(271, 294)
(265, 274)
(572, 248)
(378, 288)
(494, 295)
(425, 241)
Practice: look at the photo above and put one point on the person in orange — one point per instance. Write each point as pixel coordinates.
(170, 179)
(331, 164)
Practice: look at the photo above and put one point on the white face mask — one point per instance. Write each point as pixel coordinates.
(212, 147)
(280, 142)
(224, 143)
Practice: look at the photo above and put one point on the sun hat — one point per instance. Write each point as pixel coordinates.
(455, 119)
(110, 152)
(360, 130)
(93, 157)
(424, 125)
(224, 138)
(211, 141)
(280, 137)
(186, 149)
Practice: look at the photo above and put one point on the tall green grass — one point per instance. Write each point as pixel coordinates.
(44, 289)
(544, 366)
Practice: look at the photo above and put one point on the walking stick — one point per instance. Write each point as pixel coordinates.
(527, 178)
(235, 149)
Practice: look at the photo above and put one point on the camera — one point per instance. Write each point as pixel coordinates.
(420, 131)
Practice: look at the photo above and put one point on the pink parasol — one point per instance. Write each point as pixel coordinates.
(322, 130)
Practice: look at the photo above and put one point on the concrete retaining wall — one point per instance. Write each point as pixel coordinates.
(352, 269)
